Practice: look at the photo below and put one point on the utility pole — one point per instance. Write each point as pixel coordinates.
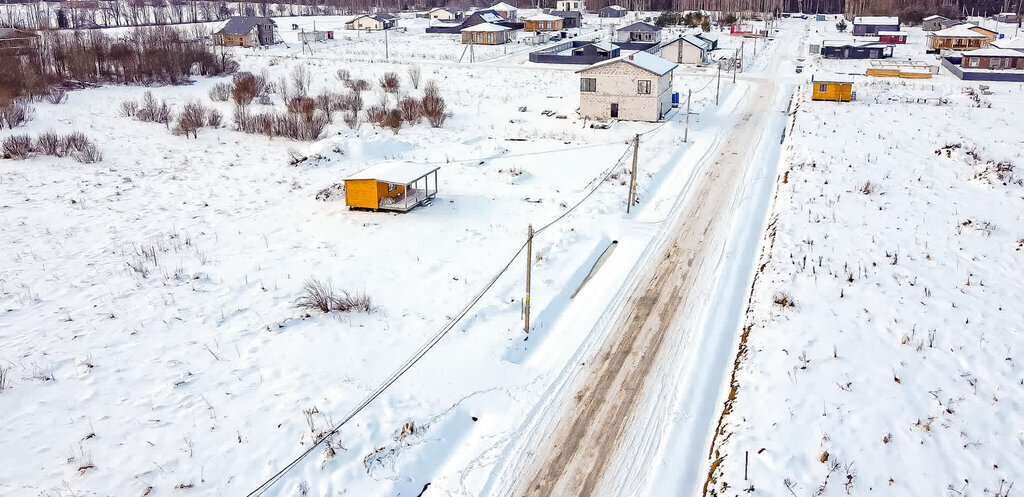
(686, 132)
(718, 91)
(742, 43)
(632, 174)
(529, 264)
(385, 44)
(734, 66)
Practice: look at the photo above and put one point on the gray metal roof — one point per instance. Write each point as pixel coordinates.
(639, 26)
(242, 25)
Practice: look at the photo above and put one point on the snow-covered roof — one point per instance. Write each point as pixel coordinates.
(543, 17)
(852, 43)
(639, 26)
(400, 173)
(614, 7)
(826, 77)
(503, 7)
(892, 33)
(959, 31)
(877, 20)
(643, 60)
(933, 17)
(490, 16)
(604, 45)
(242, 25)
(692, 40)
(485, 27)
(993, 52)
(1016, 42)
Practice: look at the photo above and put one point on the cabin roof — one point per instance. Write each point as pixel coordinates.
(994, 52)
(400, 173)
(1015, 42)
(613, 7)
(933, 17)
(959, 31)
(242, 25)
(543, 17)
(639, 26)
(892, 33)
(503, 7)
(485, 27)
(826, 77)
(643, 60)
(565, 14)
(877, 20)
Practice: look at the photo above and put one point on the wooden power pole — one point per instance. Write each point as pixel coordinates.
(686, 131)
(632, 174)
(529, 267)
(718, 91)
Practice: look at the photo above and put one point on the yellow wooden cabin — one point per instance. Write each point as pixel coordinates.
(543, 22)
(391, 186)
(832, 87)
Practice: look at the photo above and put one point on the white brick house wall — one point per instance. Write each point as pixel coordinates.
(682, 52)
(618, 83)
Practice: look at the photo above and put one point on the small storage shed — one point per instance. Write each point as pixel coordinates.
(832, 87)
(934, 23)
(391, 186)
(486, 34)
(871, 25)
(897, 37)
(543, 22)
(612, 11)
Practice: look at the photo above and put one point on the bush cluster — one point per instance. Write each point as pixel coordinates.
(75, 145)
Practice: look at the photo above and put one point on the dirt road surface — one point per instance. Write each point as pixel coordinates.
(574, 460)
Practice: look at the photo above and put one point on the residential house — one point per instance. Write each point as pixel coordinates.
(993, 58)
(247, 31)
(990, 34)
(612, 11)
(846, 49)
(447, 14)
(371, 22)
(634, 87)
(1007, 17)
(543, 23)
(871, 25)
(894, 37)
(509, 12)
(959, 37)
(687, 49)
(576, 5)
(1015, 43)
(487, 34)
(391, 186)
(638, 33)
(831, 87)
(570, 18)
(935, 23)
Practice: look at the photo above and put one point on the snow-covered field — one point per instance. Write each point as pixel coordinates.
(148, 326)
(885, 326)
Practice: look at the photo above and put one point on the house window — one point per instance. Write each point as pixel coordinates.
(973, 61)
(822, 87)
(392, 187)
(490, 37)
(588, 84)
(644, 87)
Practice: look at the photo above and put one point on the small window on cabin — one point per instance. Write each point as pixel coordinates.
(822, 87)
(392, 187)
(588, 84)
(973, 62)
(644, 87)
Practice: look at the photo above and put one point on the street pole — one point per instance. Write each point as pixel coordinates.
(742, 43)
(529, 263)
(385, 44)
(632, 174)
(686, 132)
(734, 66)
(718, 91)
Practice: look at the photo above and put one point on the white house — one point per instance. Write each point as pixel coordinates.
(687, 49)
(638, 32)
(372, 22)
(509, 12)
(634, 87)
(566, 5)
(443, 14)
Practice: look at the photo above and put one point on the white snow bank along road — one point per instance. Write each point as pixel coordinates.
(885, 333)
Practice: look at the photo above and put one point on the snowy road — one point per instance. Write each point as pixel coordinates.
(605, 433)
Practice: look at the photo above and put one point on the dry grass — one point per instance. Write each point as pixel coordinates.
(321, 296)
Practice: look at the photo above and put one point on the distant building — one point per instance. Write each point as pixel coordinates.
(509, 12)
(687, 49)
(831, 87)
(391, 186)
(543, 23)
(991, 35)
(935, 23)
(245, 32)
(855, 50)
(487, 34)
(635, 87)
(371, 22)
(895, 37)
(577, 5)
(638, 32)
(570, 18)
(1015, 43)
(993, 58)
(1007, 17)
(871, 25)
(959, 37)
(444, 14)
(612, 11)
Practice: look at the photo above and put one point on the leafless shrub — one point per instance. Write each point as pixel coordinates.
(431, 88)
(375, 114)
(867, 188)
(190, 119)
(414, 76)
(4, 379)
(434, 109)
(328, 102)
(152, 110)
(347, 302)
(390, 83)
(214, 118)
(358, 85)
(301, 80)
(129, 108)
(50, 143)
(352, 102)
(75, 141)
(244, 88)
(411, 109)
(392, 119)
(302, 105)
(16, 114)
(343, 75)
(288, 124)
(88, 154)
(783, 299)
(57, 95)
(317, 295)
(351, 119)
(17, 147)
(221, 92)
